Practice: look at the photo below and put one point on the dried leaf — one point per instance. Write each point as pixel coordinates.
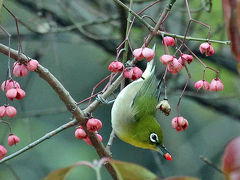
(231, 159)
(130, 171)
(231, 9)
(59, 174)
(182, 178)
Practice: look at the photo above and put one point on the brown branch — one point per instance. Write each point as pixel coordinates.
(69, 102)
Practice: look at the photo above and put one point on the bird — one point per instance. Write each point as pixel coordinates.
(133, 113)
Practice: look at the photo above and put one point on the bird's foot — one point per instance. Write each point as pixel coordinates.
(103, 100)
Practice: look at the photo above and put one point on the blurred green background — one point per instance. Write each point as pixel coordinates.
(79, 59)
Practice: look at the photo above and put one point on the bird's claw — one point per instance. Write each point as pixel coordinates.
(103, 100)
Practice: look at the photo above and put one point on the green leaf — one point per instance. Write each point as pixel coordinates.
(182, 178)
(231, 159)
(59, 174)
(130, 171)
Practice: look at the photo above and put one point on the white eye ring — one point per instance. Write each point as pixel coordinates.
(153, 137)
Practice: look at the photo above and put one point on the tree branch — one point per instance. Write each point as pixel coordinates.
(69, 102)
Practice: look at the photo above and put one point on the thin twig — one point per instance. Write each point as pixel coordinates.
(38, 141)
(210, 163)
(110, 141)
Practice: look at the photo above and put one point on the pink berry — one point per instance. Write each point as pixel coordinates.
(137, 53)
(127, 73)
(165, 59)
(179, 123)
(99, 137)
(174, 67)
(9, 84)
(3, 152)
(13, 139)
(132, 73)
(94, 124)
(16, 93)
(199, 84)
(185, 58)
(216, 85)
(116, 66)
(11, 93)
(207, 49)
(80, 133)
(137, 73)
(148, 53)
(206, 85)
(202, 84)
(20, 70)
(11, 111)
(168, 41)
(2, 111)
(88, 141)
(32, 65)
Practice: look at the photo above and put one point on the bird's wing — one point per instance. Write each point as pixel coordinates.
(145, 101)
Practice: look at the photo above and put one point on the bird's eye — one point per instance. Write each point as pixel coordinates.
(153, 137)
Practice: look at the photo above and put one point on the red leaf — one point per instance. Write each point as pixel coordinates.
(231, 159)
(231, 10)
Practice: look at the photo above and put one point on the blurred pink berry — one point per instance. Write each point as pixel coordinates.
(3, 152)
(20, 70)
(165, 59)
(207, 49)
(127, 73)
(116, 66)
(199, 84)
(137, 53)
(202, 84)
(132, 73)
(174, 67)
(2, 111)
(148, 53)
(88, 141)
(206, 85)
(145, 52)
(13, 139)
(99, 137)
(16, 93)
(179, 123)
(216, 85)
(184, 58)
(32, 65)
(10, 111)
(9, 84)
(80, 133)
(137, 73)
(94, 124)
(168, 41)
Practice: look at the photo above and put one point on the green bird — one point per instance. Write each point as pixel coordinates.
(134, 110)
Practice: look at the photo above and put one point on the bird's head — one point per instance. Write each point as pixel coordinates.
(148, 135)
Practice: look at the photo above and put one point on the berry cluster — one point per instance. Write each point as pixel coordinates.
(174, 65)
(93, 125)
(12, 90)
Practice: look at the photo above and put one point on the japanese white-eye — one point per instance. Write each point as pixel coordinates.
(134, 110)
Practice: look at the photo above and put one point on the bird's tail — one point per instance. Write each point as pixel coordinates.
(150, 69)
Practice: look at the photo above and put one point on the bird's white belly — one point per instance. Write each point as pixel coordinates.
(122, 112)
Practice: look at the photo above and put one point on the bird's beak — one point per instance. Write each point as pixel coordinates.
(164, 152)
